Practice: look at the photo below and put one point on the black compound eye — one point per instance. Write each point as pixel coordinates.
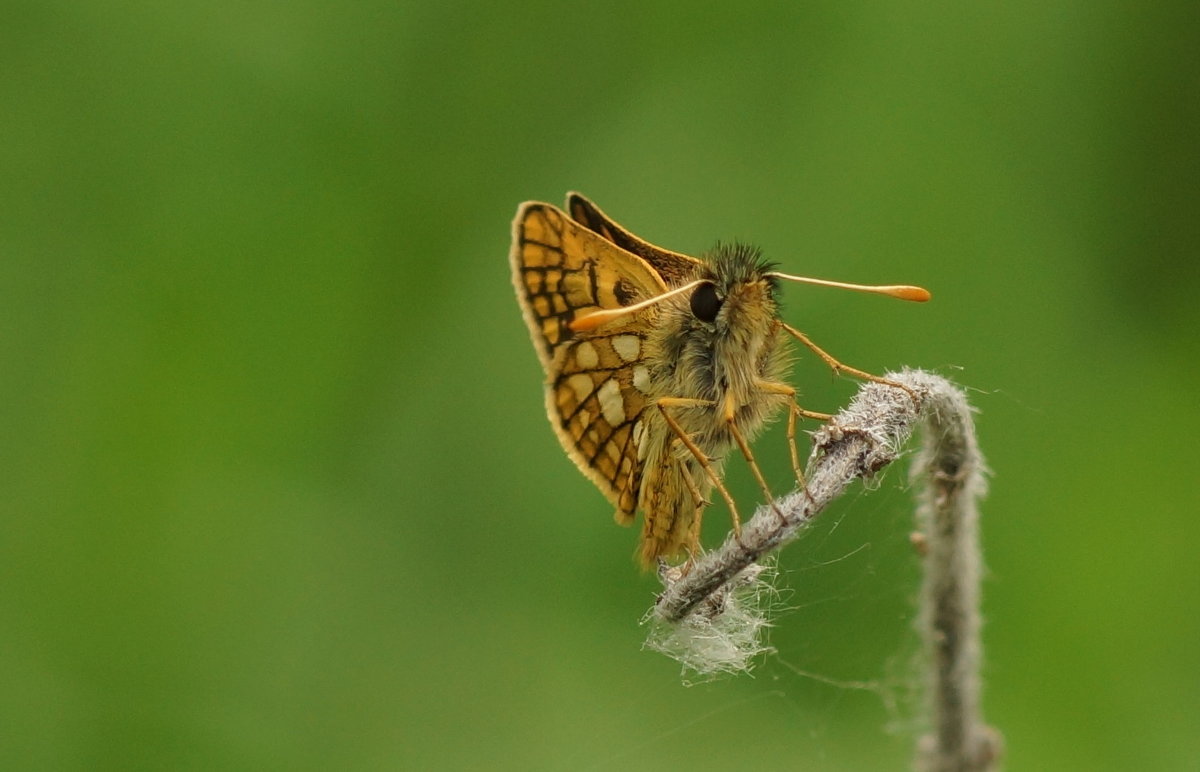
(706, 302)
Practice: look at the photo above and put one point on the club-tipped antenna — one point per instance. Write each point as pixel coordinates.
(902, 291)
(603, 316)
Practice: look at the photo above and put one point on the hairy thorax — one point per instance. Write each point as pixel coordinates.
(715, 370)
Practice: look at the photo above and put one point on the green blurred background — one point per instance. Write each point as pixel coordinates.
(278, 488)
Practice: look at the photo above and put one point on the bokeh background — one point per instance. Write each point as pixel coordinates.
(278, 488)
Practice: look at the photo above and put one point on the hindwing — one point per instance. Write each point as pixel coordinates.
(597, 381)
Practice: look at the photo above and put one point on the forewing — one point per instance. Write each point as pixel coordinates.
(597, 381)
(675, 268)
(562, 271)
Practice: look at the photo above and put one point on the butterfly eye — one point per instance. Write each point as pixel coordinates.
(706, 302)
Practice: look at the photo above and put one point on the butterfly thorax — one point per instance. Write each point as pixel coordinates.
(720, 344)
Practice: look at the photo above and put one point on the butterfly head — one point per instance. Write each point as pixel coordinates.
(724, 327)
(736, 291)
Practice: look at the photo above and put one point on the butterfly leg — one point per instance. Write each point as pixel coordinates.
(758, 475)
(838, 367)
(794, 412)
(730, 413)
(692, 545)
(690, 484)
(669, 402)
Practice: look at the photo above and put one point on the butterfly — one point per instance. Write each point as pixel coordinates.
(657, 363)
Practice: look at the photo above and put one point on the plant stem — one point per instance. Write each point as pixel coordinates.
(857, 443)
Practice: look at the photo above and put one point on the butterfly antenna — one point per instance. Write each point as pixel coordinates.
(902, 291)
(593, 320)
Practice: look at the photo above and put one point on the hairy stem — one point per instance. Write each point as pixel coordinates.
(949, 475)
(857, 443)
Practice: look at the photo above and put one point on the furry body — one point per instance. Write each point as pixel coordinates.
(721, 364)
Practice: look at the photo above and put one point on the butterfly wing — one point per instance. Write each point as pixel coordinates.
(673, 267)
(597, 381)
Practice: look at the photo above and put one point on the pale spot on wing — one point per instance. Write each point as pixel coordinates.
(585, 418)
(611, 403)
(628, 347)
(581, 384)
(641, 379)
(586, 356)
(639, 434)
